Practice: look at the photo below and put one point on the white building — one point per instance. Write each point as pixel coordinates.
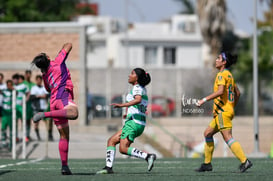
(174, 43)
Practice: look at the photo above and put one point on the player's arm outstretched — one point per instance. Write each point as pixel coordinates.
(67, 47)
(218, 93)
(136, 101)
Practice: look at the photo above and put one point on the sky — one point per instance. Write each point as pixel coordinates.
(239, 11)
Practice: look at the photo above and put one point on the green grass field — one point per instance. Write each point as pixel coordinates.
(134, 170)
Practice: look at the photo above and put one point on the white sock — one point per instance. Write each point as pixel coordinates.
(110, 156)
(137, 153)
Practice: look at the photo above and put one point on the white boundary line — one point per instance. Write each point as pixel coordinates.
(21, 163)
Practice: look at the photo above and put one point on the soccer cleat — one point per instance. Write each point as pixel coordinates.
(66, 170)
(150, 159)
(105, 170)
(18, 140)
(27, 139)
(244, 166)
(205, 167)
(50, 138)
(38, 116)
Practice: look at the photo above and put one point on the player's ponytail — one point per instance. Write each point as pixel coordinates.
(144, 78)
(41, 61)
(229, 58)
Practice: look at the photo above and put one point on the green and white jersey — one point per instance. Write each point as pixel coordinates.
(29, 84)
(7, 99)
(137, 112)
(2, 87)
(21, 89)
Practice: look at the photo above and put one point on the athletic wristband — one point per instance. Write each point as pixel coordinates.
(204, 99)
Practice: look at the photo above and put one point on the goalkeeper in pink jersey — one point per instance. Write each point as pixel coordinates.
(57, 81)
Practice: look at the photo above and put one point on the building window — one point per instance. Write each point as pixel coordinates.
(187, 27)
(150, 56)
(169, 56)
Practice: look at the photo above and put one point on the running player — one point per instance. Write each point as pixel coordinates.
(136, 102)
(57, 81)
(226, 95)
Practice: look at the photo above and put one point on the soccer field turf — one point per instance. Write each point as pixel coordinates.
(134, 169)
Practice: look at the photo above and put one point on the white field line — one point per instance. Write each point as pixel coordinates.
(21, 163)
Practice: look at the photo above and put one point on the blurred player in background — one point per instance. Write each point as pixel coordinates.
(136, 102)
(38, 97)
(2, 87)
(29, 110)
(7, 114)
(226, 95)
(27, 80)
(57, 81)
(21, 89)
(49, 124)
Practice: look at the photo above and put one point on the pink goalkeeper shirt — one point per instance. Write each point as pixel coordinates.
(57, 79)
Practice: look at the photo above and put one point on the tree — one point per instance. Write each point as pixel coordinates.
(244, 67)
(213, 24)
(187, 6)
(268, 15)
(38, 10)
(216, 30)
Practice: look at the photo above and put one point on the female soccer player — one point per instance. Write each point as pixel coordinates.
(136, 103)
(226, 95)
(57, 81)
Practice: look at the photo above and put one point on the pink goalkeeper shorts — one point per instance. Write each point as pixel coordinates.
(59, 104)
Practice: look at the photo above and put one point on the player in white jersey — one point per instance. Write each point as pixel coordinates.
(38, 97)
(136, 102)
